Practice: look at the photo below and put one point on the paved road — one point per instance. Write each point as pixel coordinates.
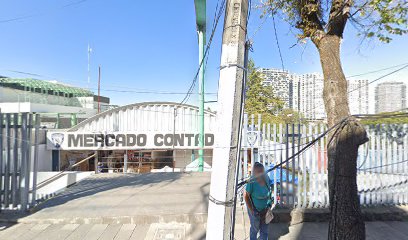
(177, 231)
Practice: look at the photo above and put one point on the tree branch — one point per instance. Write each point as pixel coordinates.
(310, 19)
(339, 13)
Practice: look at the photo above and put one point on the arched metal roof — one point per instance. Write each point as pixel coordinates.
(148, 116)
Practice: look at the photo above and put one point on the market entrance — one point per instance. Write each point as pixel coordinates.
(134, 161)
(141, 137)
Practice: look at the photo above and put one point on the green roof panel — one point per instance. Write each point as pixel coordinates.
(45, 86)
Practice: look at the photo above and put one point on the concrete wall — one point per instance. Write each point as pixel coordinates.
(58, 183)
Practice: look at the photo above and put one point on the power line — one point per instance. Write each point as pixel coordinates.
(309, 144)
(135, 90)
(206, 52)
(251, 178)
(384, 187)
(259, 27)
(379, 78)
(379, 70)
(375, 80)
(151, 92)
(380, 166)
(277, 41)
(70, 4)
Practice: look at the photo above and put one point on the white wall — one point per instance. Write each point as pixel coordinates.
(44, 158)
(58, 183)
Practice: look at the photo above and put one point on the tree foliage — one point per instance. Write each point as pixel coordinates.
(260, 98)
(324, 22)
(315, 18)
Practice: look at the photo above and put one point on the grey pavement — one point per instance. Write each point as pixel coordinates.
(129, 198)
(161, 206)
(177, 231)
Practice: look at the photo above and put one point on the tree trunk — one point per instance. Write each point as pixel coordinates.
(346, 220)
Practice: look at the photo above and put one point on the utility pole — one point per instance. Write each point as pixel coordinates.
(223, 182)
(201, 42)
(201, 21)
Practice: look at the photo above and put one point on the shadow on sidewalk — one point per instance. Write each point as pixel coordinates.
(93, 185)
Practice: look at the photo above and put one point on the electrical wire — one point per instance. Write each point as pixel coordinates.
(70, 4)
(375, 80)
(384, 165)
(379, 78)
(277, 41)
(206, 52)
(162, 92)
(308, 145)
(375, 71)
(384, 187)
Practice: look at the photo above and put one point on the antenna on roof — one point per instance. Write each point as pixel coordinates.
(89, 63)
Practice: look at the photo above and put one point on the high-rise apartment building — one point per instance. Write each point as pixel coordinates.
(281, 80)
(358, 96)
(304, 93)
(308, 97)
(390, 97)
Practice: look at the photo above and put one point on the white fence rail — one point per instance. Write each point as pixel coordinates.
(302, 182)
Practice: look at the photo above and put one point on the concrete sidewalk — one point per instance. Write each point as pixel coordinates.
(129, 198)
(179, 231)
(164, 206)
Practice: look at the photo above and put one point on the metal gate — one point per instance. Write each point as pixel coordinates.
(18, 160)
(382, 163)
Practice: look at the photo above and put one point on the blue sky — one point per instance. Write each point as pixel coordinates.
(152, 45)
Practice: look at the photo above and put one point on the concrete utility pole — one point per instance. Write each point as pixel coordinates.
(228, 121)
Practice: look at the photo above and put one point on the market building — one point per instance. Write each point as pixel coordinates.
(141, 137)
(59, 105)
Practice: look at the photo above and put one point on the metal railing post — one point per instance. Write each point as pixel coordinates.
(96, 162)
(125, 162)
(35, 164)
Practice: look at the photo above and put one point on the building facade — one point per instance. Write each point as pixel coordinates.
(304, 92)
(60, 105)
(358, 96)
(309, 97)
(390, 97)
(150, 136)
(282, 83)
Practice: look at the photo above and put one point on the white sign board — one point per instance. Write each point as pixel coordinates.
(125, 140)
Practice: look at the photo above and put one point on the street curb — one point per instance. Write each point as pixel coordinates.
(291, 216)
(196, 218)
(323, 215)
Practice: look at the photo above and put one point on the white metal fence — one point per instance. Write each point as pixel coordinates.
(302, 182)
